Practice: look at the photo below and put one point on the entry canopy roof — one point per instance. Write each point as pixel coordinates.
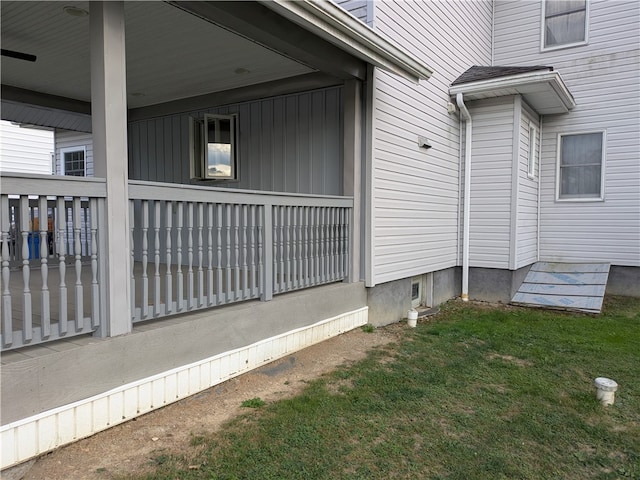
(541, 86)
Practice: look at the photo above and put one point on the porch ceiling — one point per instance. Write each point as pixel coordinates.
(171, 53)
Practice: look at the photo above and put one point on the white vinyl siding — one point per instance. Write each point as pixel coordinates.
(361, 9)
(25, 150)
(603, 78)
(491, 182)
(527, 223)
(67, 141)
(414, 200)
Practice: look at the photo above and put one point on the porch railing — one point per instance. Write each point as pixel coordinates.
(50, 231)
(195, 248)
(191, 248)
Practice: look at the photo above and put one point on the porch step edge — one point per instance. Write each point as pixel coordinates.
(29, 437)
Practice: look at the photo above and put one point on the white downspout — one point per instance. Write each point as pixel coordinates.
(467, 196)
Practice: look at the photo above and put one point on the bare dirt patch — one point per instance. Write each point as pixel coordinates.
(511, 359)
(132, 446)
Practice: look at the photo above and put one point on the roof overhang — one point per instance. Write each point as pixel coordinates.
(337, 26)
(545, 91)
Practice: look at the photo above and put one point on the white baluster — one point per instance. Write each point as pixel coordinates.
(300, 277)
(7, 314)
(79, 295)
(334, 244)
(190, 293)
(200, 256)
(156, 258)
(145, 258)
(27, 318)
(307, 273)
(132, 255)
(45, 306)
(245, 269)
(218, 253)
(261, 285)
(236, 249)
(210, 299)
(179, 280)
(61, 213)
(252, 252)
(95, 288)
(281, 248)
(287, 254)
(169, 277)
(228, 251)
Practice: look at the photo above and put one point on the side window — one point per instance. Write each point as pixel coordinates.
(214, 147)
(564, 23)
(581, 166)
(73, 161)
(533, 151)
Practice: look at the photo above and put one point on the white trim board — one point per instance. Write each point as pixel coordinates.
(33, 436)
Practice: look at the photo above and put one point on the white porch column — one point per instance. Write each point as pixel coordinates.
(352, 179)
(109, 123)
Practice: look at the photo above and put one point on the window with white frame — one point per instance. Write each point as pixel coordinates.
(564, 23)
(73, 161)
(533, 151)
(581, 166)
(214, 147)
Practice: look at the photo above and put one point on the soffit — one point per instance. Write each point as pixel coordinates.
(171, 54)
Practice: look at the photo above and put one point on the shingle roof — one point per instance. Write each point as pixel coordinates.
(477, 73)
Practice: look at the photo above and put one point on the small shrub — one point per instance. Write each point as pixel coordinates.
(368, 328)
(253, 403)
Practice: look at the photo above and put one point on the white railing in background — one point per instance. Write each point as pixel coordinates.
(196, 247)
(50, 232)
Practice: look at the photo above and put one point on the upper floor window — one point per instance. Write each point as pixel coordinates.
(581, 166)
(565, 23)
(73, 161)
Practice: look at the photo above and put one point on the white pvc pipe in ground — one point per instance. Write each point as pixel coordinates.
(606, 390)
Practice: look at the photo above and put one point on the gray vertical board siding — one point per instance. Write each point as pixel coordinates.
(291, 143)
(333, 171)
(278, 146)
(603, 77)
(67, 139)
(415, 198)
(491, 182)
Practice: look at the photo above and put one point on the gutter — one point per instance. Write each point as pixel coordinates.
(334, 24)
(464, 114)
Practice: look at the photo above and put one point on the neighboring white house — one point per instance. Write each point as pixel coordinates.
(338, 170)
(25, 149)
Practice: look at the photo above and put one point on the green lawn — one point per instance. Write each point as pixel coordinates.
(476, 393)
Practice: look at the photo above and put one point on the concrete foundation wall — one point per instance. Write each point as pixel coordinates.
(60, 373)
(624, 281)
(389, 302)
(494, 284)
(447, 284)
